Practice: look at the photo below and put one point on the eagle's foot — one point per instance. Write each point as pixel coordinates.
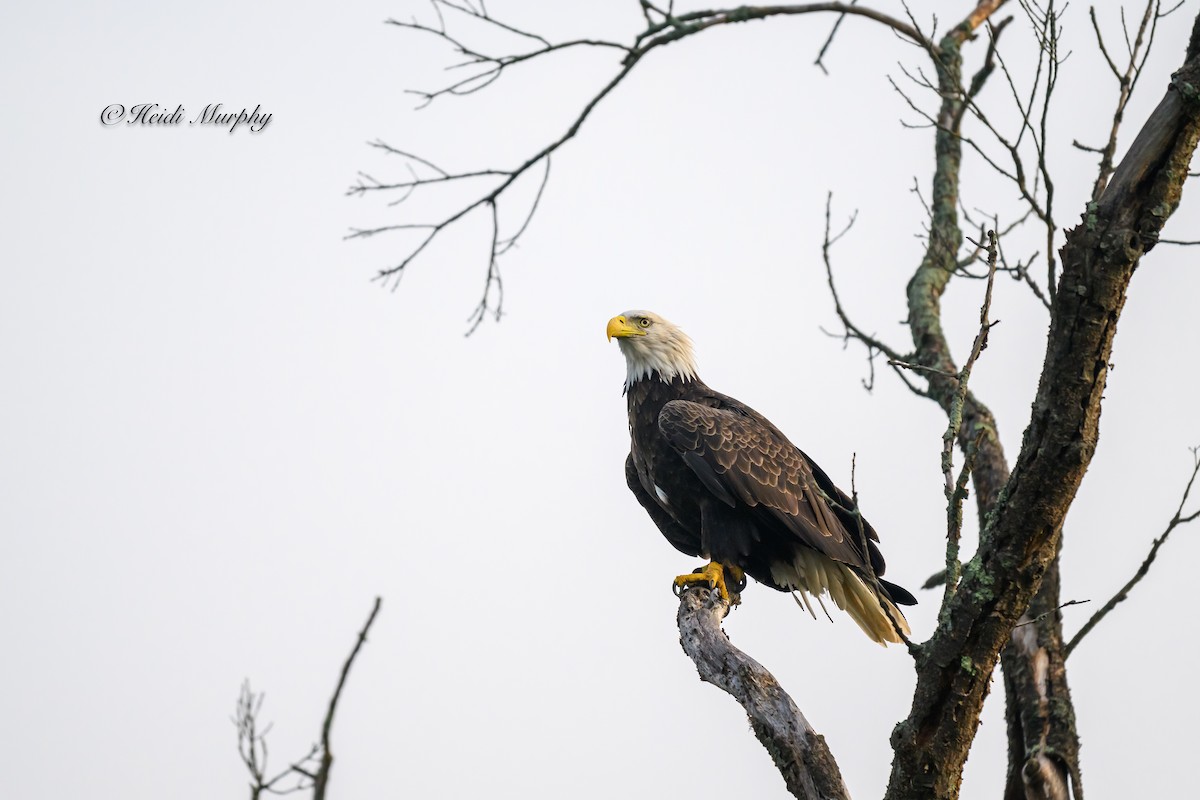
(716, 576)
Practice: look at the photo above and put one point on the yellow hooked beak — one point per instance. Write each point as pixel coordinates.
(621, 328)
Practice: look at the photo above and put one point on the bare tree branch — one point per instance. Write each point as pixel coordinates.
(1054, 610)
(799, 752)
(852, 331)
(1126, 80)
(489, 68)
(488, 199)
(995, 603)
(321, 779)
(1178, 519)
(819, 62)
(1020, 541)
(252, 747)
(963, 376)
(688, 24)
(311, 771)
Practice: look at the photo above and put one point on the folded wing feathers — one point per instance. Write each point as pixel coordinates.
(760, 467)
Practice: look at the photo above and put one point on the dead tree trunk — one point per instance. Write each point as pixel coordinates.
(1020, 539)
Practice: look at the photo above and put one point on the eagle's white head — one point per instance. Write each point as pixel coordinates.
(652, 345)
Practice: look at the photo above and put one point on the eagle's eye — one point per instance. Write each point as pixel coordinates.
(645, 323)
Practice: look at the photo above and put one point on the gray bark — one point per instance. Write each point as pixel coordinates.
(799, 752)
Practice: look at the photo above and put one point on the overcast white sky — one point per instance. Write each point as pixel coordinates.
(221, 441)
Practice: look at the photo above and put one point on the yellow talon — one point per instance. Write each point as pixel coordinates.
(713, 575)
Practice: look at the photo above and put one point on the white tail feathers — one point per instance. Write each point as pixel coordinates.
(816, 574)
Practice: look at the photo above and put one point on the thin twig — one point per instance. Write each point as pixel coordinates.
(954, 520)
(1054, 610)
(868, 567)
(964, 374)
(1178, 519)
(895, 362)
(321, 778)
(956, 489)
(1126, 81)
(487, 68)
(829, 40)
(852, 331)
(252, 747)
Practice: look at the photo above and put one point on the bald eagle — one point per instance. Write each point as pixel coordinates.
(721, 482)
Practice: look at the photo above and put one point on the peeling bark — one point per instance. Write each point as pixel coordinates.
(799, 752)
(1043, 746)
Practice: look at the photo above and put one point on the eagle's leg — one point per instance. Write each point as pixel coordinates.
(714, 575)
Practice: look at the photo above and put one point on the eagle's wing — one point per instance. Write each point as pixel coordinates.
(744, 460)
(671, 529)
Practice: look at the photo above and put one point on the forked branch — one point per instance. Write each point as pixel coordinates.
(253, 750)
(481, 69)
(1138, 51)
(310, 772)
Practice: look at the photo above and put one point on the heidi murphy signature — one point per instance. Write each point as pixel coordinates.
(154, 114)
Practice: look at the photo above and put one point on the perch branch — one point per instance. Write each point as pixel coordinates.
(799, 752)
